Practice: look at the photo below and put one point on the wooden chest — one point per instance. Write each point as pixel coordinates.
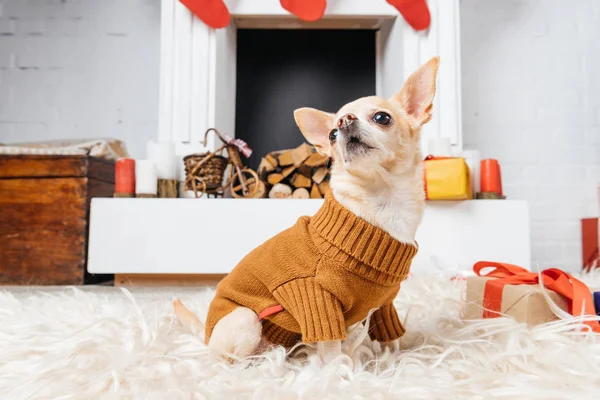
(44, 217)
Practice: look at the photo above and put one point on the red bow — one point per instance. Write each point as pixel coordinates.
(430, 157)
(576, 292)
(239, 143)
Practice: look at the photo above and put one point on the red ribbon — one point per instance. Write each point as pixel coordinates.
(430, 157)
(239, 143)
(576, 292)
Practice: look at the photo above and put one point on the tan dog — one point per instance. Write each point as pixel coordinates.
(376, 176)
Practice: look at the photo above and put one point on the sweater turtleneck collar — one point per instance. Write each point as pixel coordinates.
(358, 246)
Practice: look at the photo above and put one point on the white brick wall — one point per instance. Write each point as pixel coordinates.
(531, 90)
(79, 69)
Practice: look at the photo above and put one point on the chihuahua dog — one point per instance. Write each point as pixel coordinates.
(312, 281)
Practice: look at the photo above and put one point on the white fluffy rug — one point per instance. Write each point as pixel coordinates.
(102, 342)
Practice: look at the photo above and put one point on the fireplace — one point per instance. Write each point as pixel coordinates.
(199, 89)
(279, 71)
(199, 69)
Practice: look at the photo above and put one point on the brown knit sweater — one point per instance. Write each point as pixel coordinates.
(327, 272)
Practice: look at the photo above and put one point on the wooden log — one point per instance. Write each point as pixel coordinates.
(265, 167)
(305, 170)
(272, 159)
(316, 160)
(286, 158)
(274, 178)
(287, 171)
(314, 192)
(324, 187)
(300, 181)
(320, 174)
(280, 191)
(300, 193)
(301, 153)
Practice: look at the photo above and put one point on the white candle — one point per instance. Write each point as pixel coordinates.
(439, 147)
(146, 181)
(473, 159)
(163, 156)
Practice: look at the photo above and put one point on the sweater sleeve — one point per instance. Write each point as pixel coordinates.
(385, 325)
(318, 312)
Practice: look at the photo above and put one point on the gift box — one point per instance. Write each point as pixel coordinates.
(446, 178)
(525, 303)
(514, 291)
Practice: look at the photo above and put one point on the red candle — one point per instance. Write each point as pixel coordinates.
(499, 174)
(125, 175)
(491, 181)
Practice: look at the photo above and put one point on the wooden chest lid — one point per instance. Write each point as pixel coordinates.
(56, 166)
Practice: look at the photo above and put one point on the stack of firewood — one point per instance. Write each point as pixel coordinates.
(299, 173)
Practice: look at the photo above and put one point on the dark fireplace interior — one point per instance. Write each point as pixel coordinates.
(281, 70)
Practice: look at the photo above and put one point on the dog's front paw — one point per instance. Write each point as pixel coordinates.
(392, 347)
(331, 351)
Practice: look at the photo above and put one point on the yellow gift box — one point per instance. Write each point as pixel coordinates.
(446, 178)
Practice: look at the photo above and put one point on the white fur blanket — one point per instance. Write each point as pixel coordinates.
(103, 342)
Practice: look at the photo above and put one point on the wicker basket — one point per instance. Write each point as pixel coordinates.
(212, 170)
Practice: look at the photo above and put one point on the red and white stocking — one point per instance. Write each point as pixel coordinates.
(415, 12)
(213, 13)
(306, 10)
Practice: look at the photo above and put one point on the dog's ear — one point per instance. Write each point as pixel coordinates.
(416, 96)
(315, 125)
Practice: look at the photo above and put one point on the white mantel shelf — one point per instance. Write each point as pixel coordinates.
(190, 236)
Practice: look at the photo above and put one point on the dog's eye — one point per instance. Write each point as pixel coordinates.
(382, 118)
(333, 135)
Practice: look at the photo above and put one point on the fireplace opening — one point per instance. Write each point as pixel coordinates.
(279, 70)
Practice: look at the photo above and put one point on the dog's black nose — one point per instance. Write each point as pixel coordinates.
(346, 120)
